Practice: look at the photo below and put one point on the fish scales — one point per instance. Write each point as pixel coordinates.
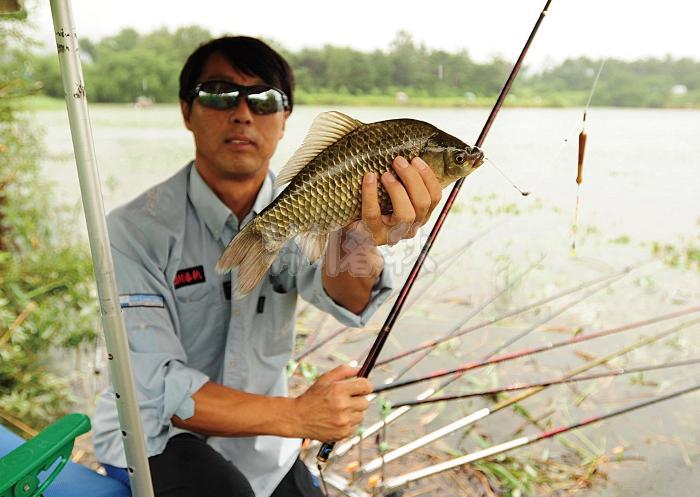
(325, 193)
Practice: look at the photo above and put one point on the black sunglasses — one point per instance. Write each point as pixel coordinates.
(223, 95)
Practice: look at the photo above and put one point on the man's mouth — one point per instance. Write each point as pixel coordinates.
(239, 140)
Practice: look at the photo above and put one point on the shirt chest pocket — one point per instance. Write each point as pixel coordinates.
(273, 323)
(203, 328)
(203, 314)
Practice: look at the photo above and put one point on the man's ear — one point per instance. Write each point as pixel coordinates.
(185, 109)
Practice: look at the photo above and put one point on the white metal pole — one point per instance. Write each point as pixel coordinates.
(112, 322)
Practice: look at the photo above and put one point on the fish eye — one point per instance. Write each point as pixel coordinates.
(460, 158)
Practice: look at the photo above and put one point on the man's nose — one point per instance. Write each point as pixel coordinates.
(241, 113)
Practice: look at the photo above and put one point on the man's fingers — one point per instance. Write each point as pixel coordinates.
(371, 212)
(430, 181)
(358, 387)
(340, 373)
(415, 186)
(403, 214)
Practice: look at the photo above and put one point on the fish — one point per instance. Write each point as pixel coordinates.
(325, 186)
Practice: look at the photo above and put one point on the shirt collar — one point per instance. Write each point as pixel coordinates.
(213, 211)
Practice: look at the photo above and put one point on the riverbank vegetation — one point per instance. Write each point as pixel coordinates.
(129, 65)
(47, 296)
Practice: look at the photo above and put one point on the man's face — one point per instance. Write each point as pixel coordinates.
(235, 143)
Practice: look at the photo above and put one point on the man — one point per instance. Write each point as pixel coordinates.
(209, 368)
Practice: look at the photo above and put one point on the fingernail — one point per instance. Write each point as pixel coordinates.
(370, 178)
(401, 162)
(388, 177)
(420, 164)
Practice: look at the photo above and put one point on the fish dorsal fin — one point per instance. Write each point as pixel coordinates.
(327, 128)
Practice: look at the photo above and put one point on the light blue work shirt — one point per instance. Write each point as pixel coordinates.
(184, 329)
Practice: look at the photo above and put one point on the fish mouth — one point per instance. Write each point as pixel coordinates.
(475, 156)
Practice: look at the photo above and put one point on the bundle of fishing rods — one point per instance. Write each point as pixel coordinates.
(546, 309)
(383, 485)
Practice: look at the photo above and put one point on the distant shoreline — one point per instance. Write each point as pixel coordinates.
(42, 102)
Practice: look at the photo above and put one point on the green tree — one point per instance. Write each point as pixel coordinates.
(122, 67)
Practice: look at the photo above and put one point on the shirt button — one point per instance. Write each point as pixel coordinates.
(236, 312)
(231, 364)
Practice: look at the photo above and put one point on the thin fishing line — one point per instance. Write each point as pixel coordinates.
(595, 84)
(568, 137)
(522, 192)
(582, 138)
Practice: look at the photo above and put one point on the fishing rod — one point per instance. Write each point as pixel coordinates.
(457, 332)
(551, 316)
(559, 381)
(326, 449)
(507, 402)
(400, 481)
(533, 351)
(511, 284)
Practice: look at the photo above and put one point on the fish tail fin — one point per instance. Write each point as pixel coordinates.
(248, 252)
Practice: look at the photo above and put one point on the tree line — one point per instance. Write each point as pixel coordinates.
(122, 67)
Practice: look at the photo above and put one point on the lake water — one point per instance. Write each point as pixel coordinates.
(641, 185)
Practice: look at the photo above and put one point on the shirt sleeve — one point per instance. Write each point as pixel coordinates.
(293, 270)
(164, 383)
(312, 290)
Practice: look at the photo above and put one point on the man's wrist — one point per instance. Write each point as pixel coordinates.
(291, 418)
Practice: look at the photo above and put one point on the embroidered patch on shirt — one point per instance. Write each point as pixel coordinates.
(189, 276)
(141, 300)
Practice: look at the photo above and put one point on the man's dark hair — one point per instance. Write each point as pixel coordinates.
(247, 55)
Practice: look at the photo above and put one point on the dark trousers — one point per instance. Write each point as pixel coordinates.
(188, 467)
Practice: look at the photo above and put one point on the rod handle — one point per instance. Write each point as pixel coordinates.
(325, 452)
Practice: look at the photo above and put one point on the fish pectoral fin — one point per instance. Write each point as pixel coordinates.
(327, 128)
(251, 255)
(312, 244)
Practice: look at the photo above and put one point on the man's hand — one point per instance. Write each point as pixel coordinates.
(413, 200)
(352, 262)
(333, 407)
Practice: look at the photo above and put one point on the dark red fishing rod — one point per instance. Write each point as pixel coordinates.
(326, 449)
(559, 381)
(532, 351)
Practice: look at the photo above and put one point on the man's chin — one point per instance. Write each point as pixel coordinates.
(242, 171)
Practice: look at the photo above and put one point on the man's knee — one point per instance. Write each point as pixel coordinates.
(189, 466)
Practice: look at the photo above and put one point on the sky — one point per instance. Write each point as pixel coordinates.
(627, 29)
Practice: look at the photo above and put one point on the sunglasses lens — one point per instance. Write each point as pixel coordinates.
(266, 102)
(218, 95)
(218, 100)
